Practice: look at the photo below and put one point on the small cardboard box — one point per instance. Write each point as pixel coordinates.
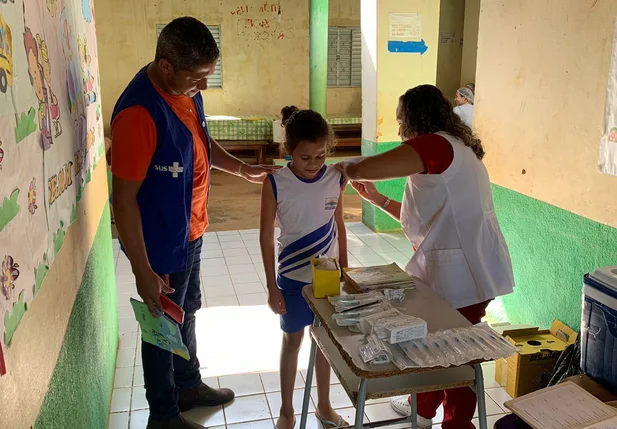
(538, 350)
(326, 282)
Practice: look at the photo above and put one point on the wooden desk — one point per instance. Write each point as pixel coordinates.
(364, 381)
(239, 145)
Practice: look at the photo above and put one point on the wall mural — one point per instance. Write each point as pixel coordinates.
(51, 138)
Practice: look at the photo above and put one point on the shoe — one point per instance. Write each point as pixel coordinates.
(179, 422)
(402, 406)
(204, 396)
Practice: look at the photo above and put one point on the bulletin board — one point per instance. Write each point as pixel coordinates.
(51, 138)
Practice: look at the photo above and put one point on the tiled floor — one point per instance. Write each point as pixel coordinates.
(233, 291)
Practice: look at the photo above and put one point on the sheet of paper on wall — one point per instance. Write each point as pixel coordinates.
(564, 406)
(405, 26)
(161, 332)
(607, 162)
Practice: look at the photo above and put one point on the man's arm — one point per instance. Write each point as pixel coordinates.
(224, 161)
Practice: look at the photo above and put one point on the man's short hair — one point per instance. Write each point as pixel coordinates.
(187, 44)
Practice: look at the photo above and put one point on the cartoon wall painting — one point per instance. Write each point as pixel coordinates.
(87, 9)
(6, 56)
(32, 197)
(88, 81)
(1, 155)
(8, 275)
(73, 82)
(52, 7)
(37, 79)
(52, 99)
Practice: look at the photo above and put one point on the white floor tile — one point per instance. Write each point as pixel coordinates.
(249, 288)
(128, 341)
(370, 260)
(254, 250)
(125, 279)
(383, 411)
(274, 400)
(210, 238)
(243, 269)
(244, 232)
(118, 421)
(233, 245)
(238, 260)
(231, 253)
(139, 419)
(492, 408)
(338, 397)
(220, 270)
(257, 259)
(259, 424)
(209, 254)
(218, 291)
(500, 396)
(247, 409)
(120, 400)
(253, 299)
(251, 242)
(123, 377)
(349, 415)
(223, 301)
(138, 401)
(313, 381)
(230, 238)
(206, 416)
(228, 233)
(125, 311)
(127, 325)
(243, 384)
(214, 262)
(488, 371)
(216, 281)
(272, 381)
(244, 278)
(138, 375)
(125, 358)
(124, 269)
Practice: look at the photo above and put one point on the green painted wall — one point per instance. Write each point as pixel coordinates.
(551, 250)
(372, 216)
(318, 56)
(80, 390)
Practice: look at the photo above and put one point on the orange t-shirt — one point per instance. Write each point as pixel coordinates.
(134, 142)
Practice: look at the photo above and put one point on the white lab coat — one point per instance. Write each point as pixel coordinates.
(450, 220)
(465, 112)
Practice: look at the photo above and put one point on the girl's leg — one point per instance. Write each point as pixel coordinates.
(322, 376)
(289, 369)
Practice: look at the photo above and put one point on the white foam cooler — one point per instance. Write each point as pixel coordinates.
(599, 327)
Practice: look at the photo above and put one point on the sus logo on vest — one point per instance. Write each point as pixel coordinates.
(174, 169)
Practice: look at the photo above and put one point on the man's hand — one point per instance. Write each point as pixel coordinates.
(257, 173)
(149, 288)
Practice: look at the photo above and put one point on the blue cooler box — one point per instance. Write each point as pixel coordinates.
(599, 327)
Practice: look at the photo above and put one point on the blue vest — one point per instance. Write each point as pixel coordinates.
(166, 193)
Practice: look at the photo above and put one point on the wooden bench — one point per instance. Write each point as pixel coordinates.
(259, 146)
(348, 135)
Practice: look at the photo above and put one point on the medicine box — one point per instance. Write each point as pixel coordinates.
(326, 282)
(531, 367)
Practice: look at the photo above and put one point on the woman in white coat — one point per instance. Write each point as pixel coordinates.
(448, 216)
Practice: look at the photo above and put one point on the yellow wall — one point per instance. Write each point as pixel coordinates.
(450, 53)
(541, 84)
(470, 42)
(397, 72)
(36, 345)
(261, 73)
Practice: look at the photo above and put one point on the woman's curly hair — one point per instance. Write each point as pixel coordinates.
(425, 110)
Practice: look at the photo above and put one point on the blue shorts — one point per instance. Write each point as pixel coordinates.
(299, 315)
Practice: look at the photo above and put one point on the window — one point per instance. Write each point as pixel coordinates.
(344, 57)
(216, 79)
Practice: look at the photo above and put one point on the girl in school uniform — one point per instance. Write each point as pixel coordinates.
(305, 199)
(448, 216)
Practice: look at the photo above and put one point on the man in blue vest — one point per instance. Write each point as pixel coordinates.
(161, 160)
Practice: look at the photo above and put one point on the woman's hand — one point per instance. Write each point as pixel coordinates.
(369, 192)
(276, 302)
(257, 173)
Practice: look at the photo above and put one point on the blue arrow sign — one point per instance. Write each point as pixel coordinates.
(408, 47)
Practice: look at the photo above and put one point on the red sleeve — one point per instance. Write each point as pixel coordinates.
(133, 142)
(435, 151)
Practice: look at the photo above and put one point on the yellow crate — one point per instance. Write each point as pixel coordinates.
(326, 282)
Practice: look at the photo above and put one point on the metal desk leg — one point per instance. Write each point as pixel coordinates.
(360, 403)
(414, 411)
(480, 396)
(309, 381)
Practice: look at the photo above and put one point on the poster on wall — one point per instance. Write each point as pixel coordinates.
(607, 162)
(51, 137)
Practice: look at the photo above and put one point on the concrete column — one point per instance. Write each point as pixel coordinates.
(318, 34)
(395, 57)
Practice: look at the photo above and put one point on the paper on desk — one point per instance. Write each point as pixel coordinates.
(565, 406)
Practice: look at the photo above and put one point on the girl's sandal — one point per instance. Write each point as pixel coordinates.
(328, 424)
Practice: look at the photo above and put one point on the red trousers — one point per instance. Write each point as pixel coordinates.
(459, 404)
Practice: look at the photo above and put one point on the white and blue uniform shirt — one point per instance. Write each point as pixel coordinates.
(305, 214)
